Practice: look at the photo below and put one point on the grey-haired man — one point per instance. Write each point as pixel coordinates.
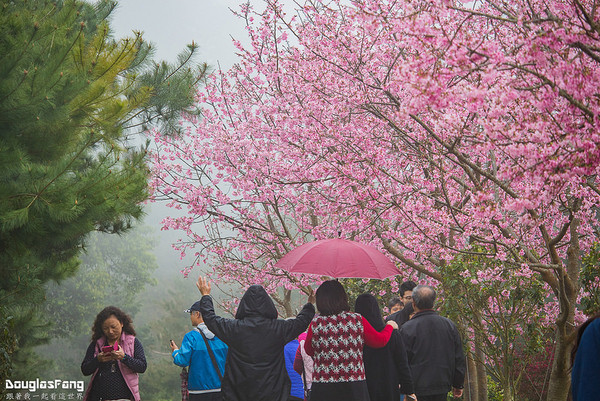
(434, 349)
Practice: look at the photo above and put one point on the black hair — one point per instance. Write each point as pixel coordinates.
(368, 307)
(331, 298)
(423, 297)
(407, 286)
(393, 302)
(107, 312)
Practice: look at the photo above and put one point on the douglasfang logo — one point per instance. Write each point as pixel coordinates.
(37, 384)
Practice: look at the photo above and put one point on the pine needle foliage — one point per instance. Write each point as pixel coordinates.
(70, 97)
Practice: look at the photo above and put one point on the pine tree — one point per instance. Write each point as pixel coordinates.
(70, 97)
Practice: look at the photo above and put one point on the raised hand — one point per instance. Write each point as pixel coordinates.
(203, 285)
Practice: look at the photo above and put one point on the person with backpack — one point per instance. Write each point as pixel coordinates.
(205, 354)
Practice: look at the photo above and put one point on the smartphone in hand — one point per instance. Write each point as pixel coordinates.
(107, 349)
(110, 348)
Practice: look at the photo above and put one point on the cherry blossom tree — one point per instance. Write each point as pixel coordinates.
(435, 130)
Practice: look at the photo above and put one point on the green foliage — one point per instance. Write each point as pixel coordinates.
(495, 392)
(70, 95)
(500, 310)
(114, 271)
(7, 345)
(383, 290)
(161, 382)
(590, 281)
(167, 321)
(173, 92)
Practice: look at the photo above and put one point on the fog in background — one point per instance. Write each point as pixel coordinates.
(157, 311)
(170, 26)
(173, 24)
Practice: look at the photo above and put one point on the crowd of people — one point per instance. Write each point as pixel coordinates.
(335, 354)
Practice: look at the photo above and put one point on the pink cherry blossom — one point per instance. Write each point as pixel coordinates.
(432, 130)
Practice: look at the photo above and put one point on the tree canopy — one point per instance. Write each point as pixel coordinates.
(114, 270)
(441, 131)
(71, 96)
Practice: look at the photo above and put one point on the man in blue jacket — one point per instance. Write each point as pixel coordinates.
(289, 353)
(204, 381)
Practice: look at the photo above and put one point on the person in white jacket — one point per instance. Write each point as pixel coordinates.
(303, 364)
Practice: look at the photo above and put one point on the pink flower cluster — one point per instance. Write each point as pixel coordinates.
(425, 128)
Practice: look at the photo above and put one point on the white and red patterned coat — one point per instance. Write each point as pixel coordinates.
(336, 344)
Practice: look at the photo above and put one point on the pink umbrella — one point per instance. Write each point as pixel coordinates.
(339, 258)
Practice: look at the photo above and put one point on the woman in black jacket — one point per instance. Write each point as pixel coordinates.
(255, 366)
(387, 367)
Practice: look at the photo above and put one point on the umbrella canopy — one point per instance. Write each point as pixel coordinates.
(339, 258)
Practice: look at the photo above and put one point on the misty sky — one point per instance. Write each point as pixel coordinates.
(173, 24)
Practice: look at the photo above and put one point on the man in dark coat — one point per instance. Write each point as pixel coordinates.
(255, 366)
(434, 349)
